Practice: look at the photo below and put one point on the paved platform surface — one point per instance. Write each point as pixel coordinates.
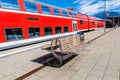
(99, 60)
(91, 35)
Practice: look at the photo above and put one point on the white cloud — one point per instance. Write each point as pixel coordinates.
(91, 7)
(113, 4)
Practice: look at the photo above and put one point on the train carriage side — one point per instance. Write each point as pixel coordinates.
(31, 21)
(92, 22)
(83, 24)
(100, 23)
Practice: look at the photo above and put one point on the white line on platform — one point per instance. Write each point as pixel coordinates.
(17, 52)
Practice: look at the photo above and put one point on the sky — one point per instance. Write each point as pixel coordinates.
(89, 7)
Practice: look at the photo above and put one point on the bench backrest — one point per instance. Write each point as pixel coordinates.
(69, 42)
(65, 44)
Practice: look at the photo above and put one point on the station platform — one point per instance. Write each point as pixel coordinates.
(99, 60)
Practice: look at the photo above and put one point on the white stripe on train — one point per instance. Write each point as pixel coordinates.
(12, 44)
(39, 14)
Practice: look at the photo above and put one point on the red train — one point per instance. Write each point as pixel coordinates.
(24, 22)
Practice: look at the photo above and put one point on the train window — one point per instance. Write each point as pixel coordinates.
(48, 31)
(45, 9)
(11, 4)
(65, 29)
(14, 34)
(34, 32)
(56, 11)
(30, 6)
(64, 13)
(81, 22)
(74, 15)
(70, 14)
(58, 30)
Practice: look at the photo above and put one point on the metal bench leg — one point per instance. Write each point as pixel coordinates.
(60, 59)
(56, 56)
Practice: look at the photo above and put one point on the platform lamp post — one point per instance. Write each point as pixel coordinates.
(105, 16)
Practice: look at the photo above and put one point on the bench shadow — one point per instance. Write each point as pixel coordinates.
(50, 60)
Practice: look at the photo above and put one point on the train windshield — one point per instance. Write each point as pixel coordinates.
(11, 4)
(30, 7)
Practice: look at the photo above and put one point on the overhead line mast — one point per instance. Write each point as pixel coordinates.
(105, 16)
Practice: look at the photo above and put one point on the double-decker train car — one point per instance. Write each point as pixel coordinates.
(99, 23)
(24, 22)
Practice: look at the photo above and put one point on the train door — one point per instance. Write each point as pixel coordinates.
(74, 25)
(95, 24)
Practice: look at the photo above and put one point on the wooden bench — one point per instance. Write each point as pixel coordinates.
(63, 48)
